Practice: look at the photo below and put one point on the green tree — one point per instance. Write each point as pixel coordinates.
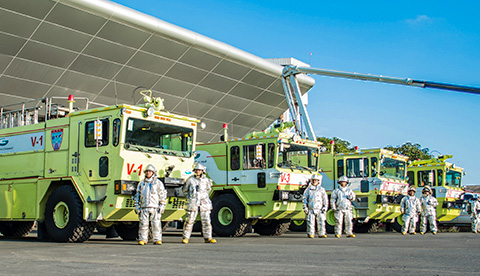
(340, 145)
(413, 151)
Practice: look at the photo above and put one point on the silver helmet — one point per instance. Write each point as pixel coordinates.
(200, 167)
(343, 178)
(151, 168)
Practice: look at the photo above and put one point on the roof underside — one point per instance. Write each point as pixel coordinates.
(104, 51)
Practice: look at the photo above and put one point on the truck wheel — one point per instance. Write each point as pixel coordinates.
(330, 222)
(369, 227)
(271, 227)
(128, 231)
(228, 216)
(298, 226)
(64, 216)
(16, 228)
(398, 224)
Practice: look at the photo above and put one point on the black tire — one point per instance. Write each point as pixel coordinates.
(298, 226)
(164, 225)
(71, 227)
(16, 228)
(228, 216)
(369, 227)
(398, 224)
(271, 227)
(128, 231)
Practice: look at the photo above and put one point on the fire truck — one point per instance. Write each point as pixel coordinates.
(70, 170)
(258, 181)
(377, 177)
(445, 179)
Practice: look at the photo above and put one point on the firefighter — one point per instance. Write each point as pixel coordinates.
(428, 213)
(197, 188)
(475, 216)
(341, 202)
(150, 201)
(410, 207)
(315, 205)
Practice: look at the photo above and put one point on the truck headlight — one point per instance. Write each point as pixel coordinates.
(125, 187)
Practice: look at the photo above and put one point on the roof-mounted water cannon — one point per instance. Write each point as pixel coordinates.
(152, 103)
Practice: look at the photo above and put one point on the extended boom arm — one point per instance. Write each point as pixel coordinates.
(290, 82)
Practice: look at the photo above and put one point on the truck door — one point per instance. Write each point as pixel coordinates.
(94, 149)
(234, 175)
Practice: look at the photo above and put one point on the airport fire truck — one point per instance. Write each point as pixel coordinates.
(258, 180)
(70, 170)
(378, 178)
(445, 179)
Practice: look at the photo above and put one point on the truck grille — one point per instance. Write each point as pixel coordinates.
(130, 203)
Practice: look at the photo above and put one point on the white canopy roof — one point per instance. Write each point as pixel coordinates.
(104, 51)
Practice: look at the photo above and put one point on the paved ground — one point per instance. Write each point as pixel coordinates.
(289, 254)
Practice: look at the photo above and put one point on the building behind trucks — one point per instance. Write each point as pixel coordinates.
(445, 179)
(258, 180)
(70, 173)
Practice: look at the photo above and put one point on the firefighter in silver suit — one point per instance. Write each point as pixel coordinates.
(150, 201)
(475, 215)
(341, 204)
(428, 213)
(197, 189)
(315, 205)
(410, 207)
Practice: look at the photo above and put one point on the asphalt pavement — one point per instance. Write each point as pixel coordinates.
(290, 254)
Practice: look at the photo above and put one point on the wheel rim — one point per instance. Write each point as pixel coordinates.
(225, 216)
(330, 217)
(61, 215)
(399, 220)
(298, 222)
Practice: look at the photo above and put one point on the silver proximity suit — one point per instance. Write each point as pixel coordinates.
(341, 202)
(315, 205)
(150, 201)
(475, 216)
(410, 207)
(428, 213)
(197, 191)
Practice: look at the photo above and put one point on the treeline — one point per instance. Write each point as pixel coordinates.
(413, 151)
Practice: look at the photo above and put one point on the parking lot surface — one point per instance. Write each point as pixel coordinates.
(290, 254)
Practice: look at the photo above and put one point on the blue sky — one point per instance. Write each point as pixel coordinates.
(427, 40)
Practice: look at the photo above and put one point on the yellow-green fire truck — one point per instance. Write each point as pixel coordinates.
(378, 178)
(258, 180)
(445, 179)
(70, 173)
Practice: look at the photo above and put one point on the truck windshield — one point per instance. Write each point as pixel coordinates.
(453, 179)
(392, 168)
(298, 157)
(148, 136)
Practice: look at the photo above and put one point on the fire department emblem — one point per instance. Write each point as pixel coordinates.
(57, 137)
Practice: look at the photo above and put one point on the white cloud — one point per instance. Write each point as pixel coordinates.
(420, 19)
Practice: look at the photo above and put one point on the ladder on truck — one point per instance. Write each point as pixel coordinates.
(299, 112)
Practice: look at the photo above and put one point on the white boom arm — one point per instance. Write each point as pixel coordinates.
(290, 82)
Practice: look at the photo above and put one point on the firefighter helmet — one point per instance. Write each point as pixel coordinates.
(426, 189)
(317, 177)
(151, 168)
(343, 178)
(412, 188)
(200, 167)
